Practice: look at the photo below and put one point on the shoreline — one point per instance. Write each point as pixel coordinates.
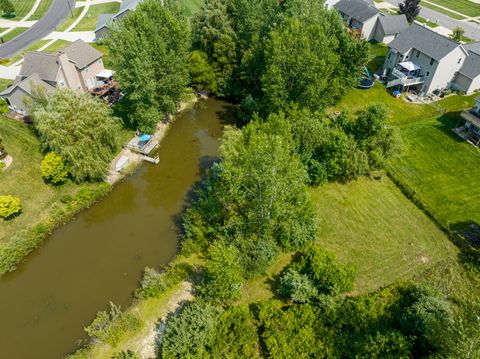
(15, 252)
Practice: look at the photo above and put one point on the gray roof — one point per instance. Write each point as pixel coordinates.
(360, 10)
(128, 5)
(425, 40)
(471, 66)
(41, 63)
(393, 24)
(103, 20)
(81, 53)
(27, 85)
(474, 47)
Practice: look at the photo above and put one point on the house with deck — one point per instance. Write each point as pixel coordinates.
(78, 66)
(470, 131)
(421, 60)
(104, 20)
(366, 21)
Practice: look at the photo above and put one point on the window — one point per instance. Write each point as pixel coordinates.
(428, 73)
(86, 70)
(100, 61)
(431, 62)
(61, 83)
(389, 55)
(418, 54)
(459, 60)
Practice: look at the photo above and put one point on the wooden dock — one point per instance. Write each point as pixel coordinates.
(154, 160)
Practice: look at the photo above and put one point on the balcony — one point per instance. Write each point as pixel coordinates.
(406, 77)
(472, 117)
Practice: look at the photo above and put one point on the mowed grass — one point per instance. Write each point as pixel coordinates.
(89, 22)
(23, 179)
(465, 7)
(14, 33)
(442, 169)
(22, 7)
(372, 226)
(42, 9)
(57, 45)
(443, 11)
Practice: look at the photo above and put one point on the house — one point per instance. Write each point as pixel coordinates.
(471, 130)
(422, 60)
(104, 20)
(360, 16)
(78, 66)
(369, 23)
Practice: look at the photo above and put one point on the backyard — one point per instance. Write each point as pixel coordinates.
(23, 179)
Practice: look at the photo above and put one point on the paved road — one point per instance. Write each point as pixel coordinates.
(472, 30)
(55, 15)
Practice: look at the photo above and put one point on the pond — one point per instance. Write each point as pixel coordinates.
(99, 256)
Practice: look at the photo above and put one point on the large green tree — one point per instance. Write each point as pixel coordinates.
(149, 50)
(81, 130)
(310, 60)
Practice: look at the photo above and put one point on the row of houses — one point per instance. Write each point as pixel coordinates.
(78, 66)
(419, 59)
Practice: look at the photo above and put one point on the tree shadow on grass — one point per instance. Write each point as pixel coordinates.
(466, 236)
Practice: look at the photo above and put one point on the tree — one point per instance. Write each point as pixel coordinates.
(53, 169)
(7, 7)
(188, 333)
(9, 206)
(223, 273)
(81, 130)
(310, 60)
(3, 152)
(213, 34)
(203, 75)
(297, 287)
(328, 276)
(149, 50)
(457, 34)
(410, 8)
(4, 107)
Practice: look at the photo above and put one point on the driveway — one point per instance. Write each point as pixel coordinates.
(55, 15)
(472, 30)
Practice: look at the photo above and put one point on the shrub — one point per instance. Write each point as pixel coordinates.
(297, 287)
(3, 153)
(9, 206)
(328, 276)
(224, 278)
(108, 327)
(3, 107)
(126, 355)
(53, 169)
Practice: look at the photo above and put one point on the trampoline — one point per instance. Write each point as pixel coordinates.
(366, 83)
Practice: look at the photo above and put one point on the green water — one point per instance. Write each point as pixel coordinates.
(99, 256)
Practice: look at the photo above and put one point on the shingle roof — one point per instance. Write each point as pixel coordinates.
(81, 53)
(474, 47)
(393, 24)
(471, 66)
(128, 5)
(103, 20)
(425, 40)
(360, 10)
(27, 85)
(42, 63)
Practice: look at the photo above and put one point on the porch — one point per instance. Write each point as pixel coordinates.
(106, 87)
(470, 131)
(406, 74)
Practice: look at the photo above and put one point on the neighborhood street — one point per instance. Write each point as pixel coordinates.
(472, 30)
(58, 11)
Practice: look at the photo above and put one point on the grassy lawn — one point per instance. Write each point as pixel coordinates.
(23, 179)
(443, 11)
(466, 7)
(20, 55)
(42, 8)
(57, 45)
(89, 22)
(374, 227)
(426, 22)
(442, 169)
(69, 20)
(22, 7)
(14, 33)
(4, 83)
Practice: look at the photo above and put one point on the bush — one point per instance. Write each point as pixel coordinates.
(53, 169)
(109, 327)
(3, 153)
(126, 355)
(297, 287)
(328, 276)
(9, 206)
(3, 107)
